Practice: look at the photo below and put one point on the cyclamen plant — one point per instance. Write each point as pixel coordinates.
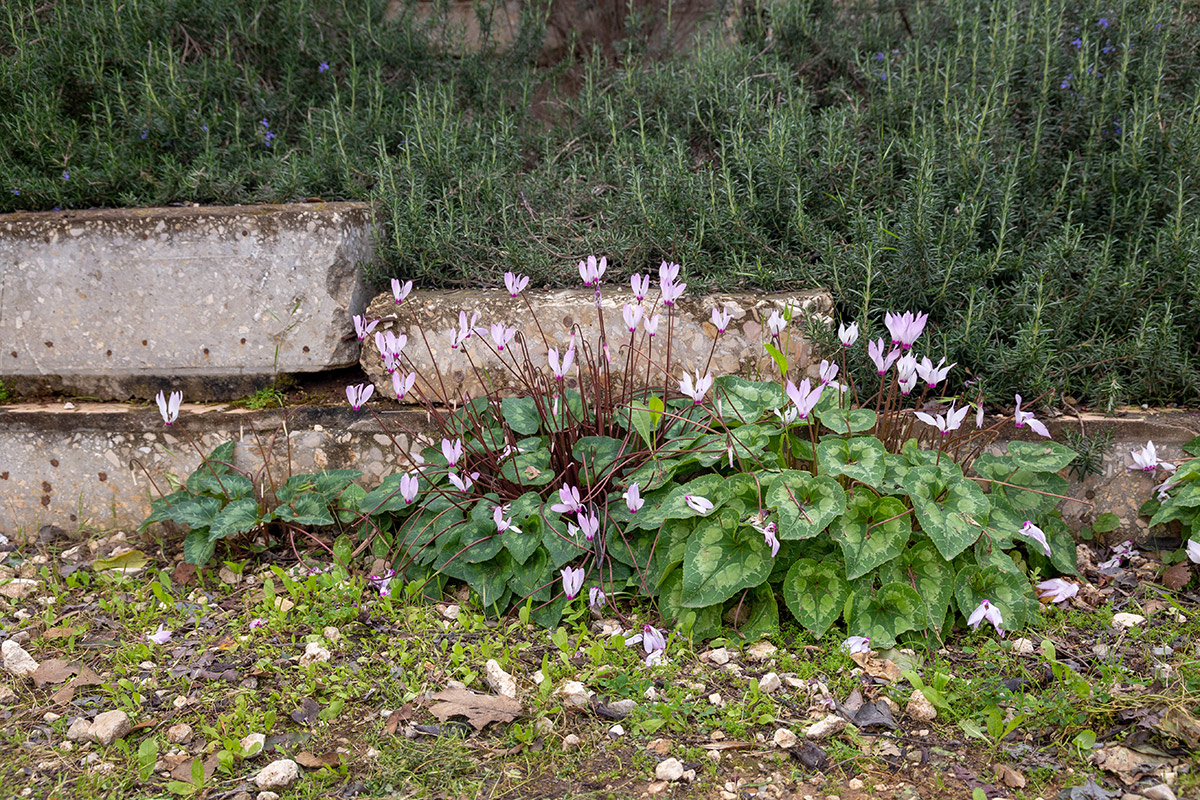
(713, 495)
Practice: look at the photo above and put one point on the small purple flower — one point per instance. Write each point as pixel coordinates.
(66, 175)
(15, 191)
(257, 622)
(1103, 23)
(879, 56)
(324, 67)
(1108, 48)
(1066, 82)
(596, 597)
(145, 133)
(204, 127)
(161, 636)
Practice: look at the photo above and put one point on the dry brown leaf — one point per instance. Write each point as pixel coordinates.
(53, 670)
(1177, 576)
(393, 722)
(881, 668)
(724, 745)
(183, 575)
(479, 709)
(183, 772)
(1129, 765)
(61, 632)
(310, 761)
(227, 643)
(1009, 776)
(1182, 726)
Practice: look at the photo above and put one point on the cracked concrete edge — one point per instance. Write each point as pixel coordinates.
(83, 467)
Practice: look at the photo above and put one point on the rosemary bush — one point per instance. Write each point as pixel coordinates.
(1019, 168)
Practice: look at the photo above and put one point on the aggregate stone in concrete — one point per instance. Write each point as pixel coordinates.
(115, 304)
(553, 319)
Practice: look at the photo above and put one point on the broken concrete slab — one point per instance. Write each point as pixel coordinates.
(557, 317)
(214, 301)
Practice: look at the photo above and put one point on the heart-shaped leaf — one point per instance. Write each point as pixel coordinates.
(952, 513)
(891, 611)
(845, 421)
(815, 593)
(521, 414)
(1042, 456)
(720, 560)
(1010, 593)
(237, 517)
(872, 532)
(199, 512)
(746, 401)
(805, 504)
(860, 458)
(922, 567)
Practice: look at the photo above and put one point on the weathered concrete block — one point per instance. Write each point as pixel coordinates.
(448, 374)
(213, 301)
(97, 465)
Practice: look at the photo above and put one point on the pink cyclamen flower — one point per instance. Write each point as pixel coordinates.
(829, 372)
(452, 451)
(1032, 531)
(633, 498)
(409, 485)
(905, 328)
(589, 524)
(591, 270)
(633, 316)
(359, 394)
(721, 319)
(776, 323)
(466, 327)
(989, 612)
(768, 532)
(362, 327)
(906, 372)
(161, 636)
(882, 362)
(571, 502)
(698, 390)
(257, 622)
(701, 505)
(464, 483)
(560, 369)
(947, 424)
(668, 272)
(400, 290)
(382, 582)
(501, 335)
(1146, 459)
(169, 408)
(857, 644)
(402, 384)
(640, 285)
(651, 325)
(848, 334)
(572, 581)
(1023, 418)
(1057, 590)
(503, 523)
(653, 641)
(515, 283)
(933, 375)
(596, 597)
(1193, 551)
(672, 292)
(805, 397)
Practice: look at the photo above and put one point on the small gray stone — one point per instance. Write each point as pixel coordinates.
(109, 726)
(669, 769)
(831, 725)
(7, 696)
(16, 660)
(624, 707)
(761, 651)
(179, 734)
(252, 744)
(18, 588)
(919, 707)
(278, 774)
(784, 739)
(314, 653)
(1159, 792)
(267, 796)
(80, 730)
(770, 683)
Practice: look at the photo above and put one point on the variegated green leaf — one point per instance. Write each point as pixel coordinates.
(854, 420)
(805, 504)
(922, 567)
(892, 610)
(871, 532)
(952, 513)
(860, 458)
(720, 560)
(815, 592)
(1041, 456)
